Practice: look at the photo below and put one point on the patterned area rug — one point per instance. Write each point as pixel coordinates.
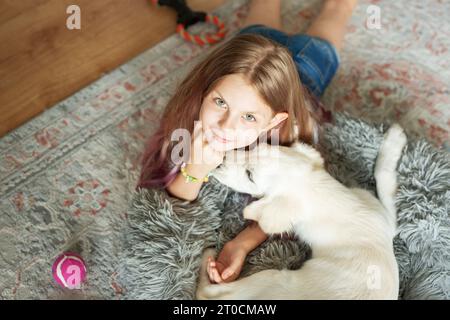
(67, 176)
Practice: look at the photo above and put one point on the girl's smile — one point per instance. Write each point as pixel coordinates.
(222, 140)
(217, 139)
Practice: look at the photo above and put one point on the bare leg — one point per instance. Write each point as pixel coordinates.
(266, 12)
(331, 23)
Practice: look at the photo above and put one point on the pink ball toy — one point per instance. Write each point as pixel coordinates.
(69, 270)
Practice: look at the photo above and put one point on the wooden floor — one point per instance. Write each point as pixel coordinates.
(42, 62)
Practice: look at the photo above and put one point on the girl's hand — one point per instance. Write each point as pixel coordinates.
(228, 265)
(201, 150)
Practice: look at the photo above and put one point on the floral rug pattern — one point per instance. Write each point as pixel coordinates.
(67, 175)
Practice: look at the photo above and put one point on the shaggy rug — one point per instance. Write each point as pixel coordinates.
(166, 236)
(68, 176)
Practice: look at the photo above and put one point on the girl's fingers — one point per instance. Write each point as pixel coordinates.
(211, 276)
(210, 269)
(216, 275)
(196, 144)
(213, 272)
(198, 129)
(227, 273)
(197, 125)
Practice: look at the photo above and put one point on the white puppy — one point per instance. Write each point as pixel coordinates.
(350, 231)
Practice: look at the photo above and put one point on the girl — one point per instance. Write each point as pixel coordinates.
(258, 82)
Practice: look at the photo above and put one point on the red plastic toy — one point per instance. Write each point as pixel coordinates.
(186, 17)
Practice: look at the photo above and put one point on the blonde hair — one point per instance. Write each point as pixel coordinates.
(266, 65)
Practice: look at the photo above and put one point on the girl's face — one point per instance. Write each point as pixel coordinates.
(233, 115)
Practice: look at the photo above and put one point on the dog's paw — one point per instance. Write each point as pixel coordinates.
(394, 140)
(202, 293)
(395, 137)
(273, 224)
(250, 214)
(213, 292)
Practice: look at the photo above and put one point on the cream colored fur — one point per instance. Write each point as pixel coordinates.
(349, 230)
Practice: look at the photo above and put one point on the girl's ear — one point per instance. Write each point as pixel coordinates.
(277, 119)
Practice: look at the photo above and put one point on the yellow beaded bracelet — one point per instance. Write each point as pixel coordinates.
(189, 178)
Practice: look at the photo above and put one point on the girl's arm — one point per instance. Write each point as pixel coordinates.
(189, 191)
(250, 238)
(231, 258)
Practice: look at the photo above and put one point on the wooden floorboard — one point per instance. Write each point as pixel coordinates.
(42, 62)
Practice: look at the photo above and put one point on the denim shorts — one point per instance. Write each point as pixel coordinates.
(316, 59)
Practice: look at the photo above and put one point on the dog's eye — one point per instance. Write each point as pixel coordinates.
(249, 175)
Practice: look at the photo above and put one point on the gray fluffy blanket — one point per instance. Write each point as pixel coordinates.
(165, 236)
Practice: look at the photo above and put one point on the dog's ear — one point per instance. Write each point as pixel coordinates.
(310, 152)
(274, 214)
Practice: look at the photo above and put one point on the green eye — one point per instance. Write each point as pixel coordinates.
(249, 117)
(215, 100)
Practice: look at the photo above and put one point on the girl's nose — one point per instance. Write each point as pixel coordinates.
(227, 126)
